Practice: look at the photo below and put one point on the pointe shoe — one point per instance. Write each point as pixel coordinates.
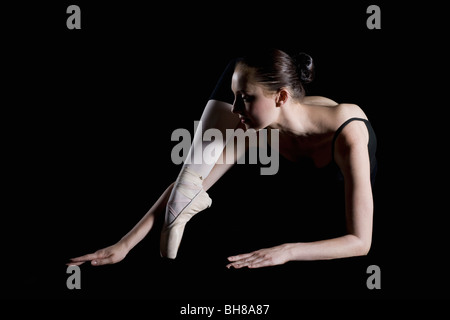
(189, 184)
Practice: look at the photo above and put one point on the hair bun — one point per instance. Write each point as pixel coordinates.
(305, 67)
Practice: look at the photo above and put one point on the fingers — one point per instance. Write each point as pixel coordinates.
(86, 257)
(250, 260)
(260, 263)
(101, 262)
(240, 256)
(258, 259)
(74, 263)
(97, 259)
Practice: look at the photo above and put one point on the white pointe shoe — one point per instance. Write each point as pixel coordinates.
(189, 194)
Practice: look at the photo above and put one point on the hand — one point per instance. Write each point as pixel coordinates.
(261, 258)
(108, 255)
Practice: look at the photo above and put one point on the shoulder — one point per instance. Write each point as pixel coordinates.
(345, 111)
(351, 143)
(353, 133)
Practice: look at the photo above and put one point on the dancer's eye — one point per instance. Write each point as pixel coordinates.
(247, 98)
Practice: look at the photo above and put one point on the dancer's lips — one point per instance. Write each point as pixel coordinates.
(244, 120)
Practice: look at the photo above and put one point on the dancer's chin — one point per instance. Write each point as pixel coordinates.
(247, 124)
(252, 127)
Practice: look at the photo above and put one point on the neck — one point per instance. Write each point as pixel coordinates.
(294, 119)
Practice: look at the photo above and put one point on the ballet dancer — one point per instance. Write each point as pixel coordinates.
(265, 90)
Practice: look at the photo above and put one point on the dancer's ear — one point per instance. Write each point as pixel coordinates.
(282, 97)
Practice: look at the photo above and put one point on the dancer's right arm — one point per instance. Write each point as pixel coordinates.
(119, 250)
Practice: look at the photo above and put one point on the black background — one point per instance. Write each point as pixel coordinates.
(87, 120)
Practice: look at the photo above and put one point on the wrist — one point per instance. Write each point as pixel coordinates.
(289, 249)
(125, 243)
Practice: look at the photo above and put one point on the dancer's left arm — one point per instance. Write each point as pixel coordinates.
(352, 157)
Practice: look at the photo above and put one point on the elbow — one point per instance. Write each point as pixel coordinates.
(364, 251)
(363, 247)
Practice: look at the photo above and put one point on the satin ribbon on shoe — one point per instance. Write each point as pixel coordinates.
(186, 200)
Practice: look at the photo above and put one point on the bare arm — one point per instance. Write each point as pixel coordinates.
(118, 251)
(353, 159)
(143, 227)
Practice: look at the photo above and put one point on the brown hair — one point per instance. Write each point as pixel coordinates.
(275, 69)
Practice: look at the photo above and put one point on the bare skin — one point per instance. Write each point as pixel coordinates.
(306, 129)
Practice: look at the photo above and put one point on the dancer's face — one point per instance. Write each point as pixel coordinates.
(254, 105)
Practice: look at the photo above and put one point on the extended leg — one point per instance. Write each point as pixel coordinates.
(188, 196)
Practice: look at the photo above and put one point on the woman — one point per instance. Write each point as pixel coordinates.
(267, 91)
